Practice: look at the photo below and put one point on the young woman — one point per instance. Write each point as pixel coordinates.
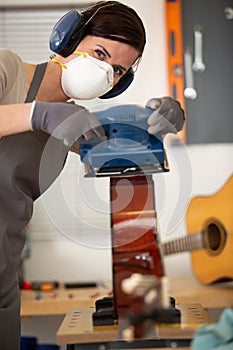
(96, 60)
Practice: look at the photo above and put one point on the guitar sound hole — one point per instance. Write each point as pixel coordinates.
(215, 237)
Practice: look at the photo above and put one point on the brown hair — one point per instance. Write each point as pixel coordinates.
(116, 21)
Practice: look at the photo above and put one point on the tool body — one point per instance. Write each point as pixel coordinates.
(128, 149)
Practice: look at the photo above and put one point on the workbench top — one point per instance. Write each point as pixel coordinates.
(186, 290)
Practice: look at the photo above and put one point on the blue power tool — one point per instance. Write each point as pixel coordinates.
(128, 149)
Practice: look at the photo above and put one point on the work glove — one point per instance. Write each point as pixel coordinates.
(65, 121)
(168, 116)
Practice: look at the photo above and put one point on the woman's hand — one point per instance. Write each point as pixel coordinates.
(168, 116)
(66, 121)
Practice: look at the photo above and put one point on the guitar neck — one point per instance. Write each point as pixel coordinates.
(184, 244)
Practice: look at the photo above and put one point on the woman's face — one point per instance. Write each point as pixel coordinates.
(119, 55)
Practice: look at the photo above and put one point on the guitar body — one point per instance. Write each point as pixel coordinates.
(213, 216)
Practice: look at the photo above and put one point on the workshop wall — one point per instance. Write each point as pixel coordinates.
(67, 248)
(76, 246)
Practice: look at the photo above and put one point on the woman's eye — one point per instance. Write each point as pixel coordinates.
(117, 70)
(100, 54)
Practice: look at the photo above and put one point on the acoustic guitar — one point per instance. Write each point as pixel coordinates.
(209, 221)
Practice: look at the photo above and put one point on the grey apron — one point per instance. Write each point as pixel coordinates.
(29, 163)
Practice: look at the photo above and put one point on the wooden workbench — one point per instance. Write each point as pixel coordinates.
(77, 328)
(59, 301)
(186, 290)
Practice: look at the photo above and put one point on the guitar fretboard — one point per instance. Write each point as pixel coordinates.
(192, 242)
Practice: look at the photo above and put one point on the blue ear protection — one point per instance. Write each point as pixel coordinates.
(67, 33)
(121, 86)
(65, 37)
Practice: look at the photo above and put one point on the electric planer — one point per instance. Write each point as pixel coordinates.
(128, 149)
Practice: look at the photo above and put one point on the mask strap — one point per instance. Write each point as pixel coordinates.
(76, 52)
(60, 63)
(63, 65)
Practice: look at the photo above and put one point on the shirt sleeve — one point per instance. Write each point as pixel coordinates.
(3, 75)
(12, 81)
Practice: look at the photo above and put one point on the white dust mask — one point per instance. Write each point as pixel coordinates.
(86, 77)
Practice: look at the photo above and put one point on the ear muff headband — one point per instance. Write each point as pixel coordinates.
(69, 31)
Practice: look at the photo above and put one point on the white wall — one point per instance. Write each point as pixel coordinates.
(151, 78)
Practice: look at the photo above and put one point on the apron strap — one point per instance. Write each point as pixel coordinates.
(36, 81)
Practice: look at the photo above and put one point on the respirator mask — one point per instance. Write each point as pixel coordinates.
(86, 77)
